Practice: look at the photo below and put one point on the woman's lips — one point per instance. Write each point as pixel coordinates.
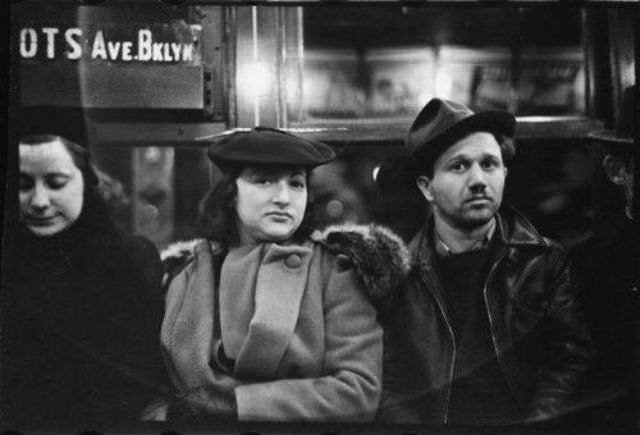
(279, 215)
(40, 221)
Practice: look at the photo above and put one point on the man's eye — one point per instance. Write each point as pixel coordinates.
(458, 166)
(489, 164)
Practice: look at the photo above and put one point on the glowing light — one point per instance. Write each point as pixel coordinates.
(254, 78)
(443, 84)
(375, 172)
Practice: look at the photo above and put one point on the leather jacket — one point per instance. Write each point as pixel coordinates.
(538, 332)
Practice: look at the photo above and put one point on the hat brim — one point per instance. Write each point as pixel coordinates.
(268, 147)
(496, 122)
(609, 136)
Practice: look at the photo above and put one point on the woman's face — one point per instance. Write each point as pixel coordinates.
(51, 188)
(270, 204)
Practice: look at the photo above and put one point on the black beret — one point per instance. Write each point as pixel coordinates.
(270, 146)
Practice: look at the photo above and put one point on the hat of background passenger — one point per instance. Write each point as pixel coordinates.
(623, 134)
(266, 145)
(441, 123)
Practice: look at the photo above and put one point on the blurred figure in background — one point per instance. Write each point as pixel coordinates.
(83, 299)
(336, 200)
(608, 269)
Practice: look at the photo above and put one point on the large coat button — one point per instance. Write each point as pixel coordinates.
(293, 261)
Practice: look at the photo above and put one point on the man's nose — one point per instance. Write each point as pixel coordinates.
(282, 194)
(477, 178)
(40, 199)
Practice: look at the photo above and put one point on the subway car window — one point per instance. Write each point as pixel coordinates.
(388, 61)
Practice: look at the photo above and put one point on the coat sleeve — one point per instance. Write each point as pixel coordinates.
(569, 347)
(349, 390)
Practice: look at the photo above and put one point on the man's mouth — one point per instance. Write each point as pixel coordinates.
(478, 200)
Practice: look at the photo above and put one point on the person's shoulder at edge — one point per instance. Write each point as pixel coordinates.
(144, 261)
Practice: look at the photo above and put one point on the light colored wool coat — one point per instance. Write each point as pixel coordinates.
(295, 320)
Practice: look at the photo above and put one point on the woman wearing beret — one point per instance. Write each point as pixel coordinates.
(264, 320)
(83, 301)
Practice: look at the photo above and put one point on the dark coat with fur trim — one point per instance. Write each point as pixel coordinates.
(323, 360)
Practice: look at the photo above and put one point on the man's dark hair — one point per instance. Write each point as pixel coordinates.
(217, 213)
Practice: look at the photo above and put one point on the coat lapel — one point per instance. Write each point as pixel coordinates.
(237, 296)
(280, 284)
(188, 324)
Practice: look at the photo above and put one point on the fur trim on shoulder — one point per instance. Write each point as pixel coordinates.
(175, 257)
(179, 250)
(380, 257)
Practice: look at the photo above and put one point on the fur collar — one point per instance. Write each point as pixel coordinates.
(379, 256)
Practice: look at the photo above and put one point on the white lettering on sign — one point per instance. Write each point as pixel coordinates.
(126, 51)
(51, 32)
(144, 45)
(28, 43)
(72, 38)
(99, 44)
(99, 50)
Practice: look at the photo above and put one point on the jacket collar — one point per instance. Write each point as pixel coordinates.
(512, 229)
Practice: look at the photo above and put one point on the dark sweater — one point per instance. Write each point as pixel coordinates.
(479, 393)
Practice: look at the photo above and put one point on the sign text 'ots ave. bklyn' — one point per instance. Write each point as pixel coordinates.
(156, 43)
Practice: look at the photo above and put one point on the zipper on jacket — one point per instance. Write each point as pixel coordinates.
(453, 346)
(486, 302)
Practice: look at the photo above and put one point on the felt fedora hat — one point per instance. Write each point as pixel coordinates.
(265, 145)
(624, 132)
(442, 122)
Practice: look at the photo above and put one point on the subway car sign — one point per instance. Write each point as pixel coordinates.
(112, 65)
(143, 44)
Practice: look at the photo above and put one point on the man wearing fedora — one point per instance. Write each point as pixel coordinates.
(607, 267)
(487, 329)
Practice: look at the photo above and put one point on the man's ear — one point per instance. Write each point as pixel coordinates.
(616, 169)
(424, 185)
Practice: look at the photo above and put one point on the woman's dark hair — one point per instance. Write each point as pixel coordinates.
(94, 207)
(217, 213)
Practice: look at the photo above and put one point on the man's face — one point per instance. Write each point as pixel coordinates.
(620, 172)
(468, 182)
